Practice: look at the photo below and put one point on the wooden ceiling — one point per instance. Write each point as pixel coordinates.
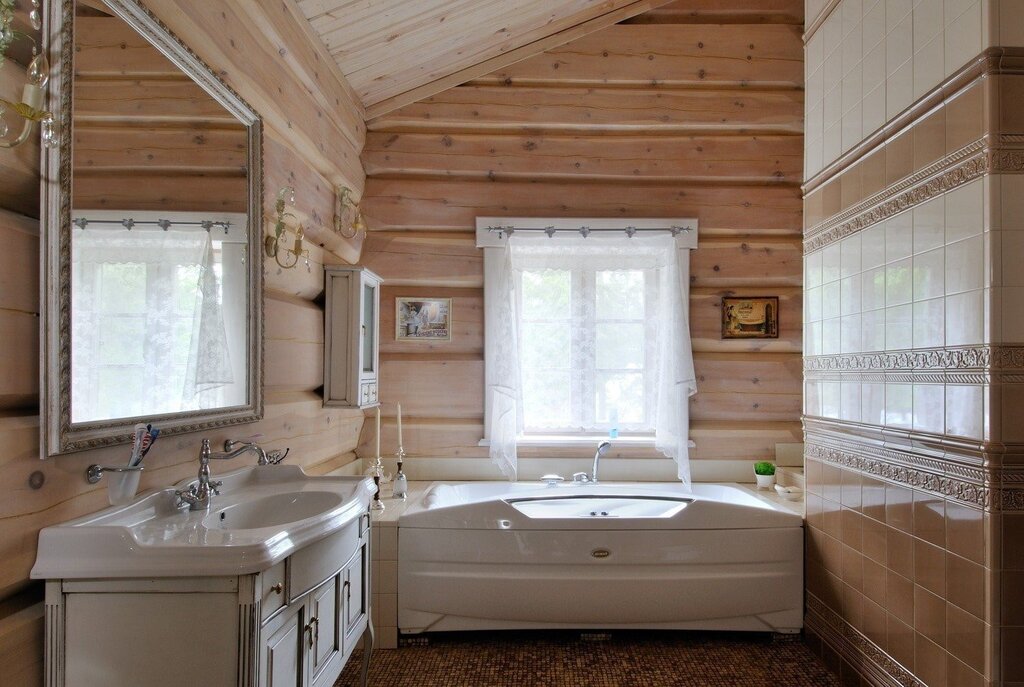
(394, 52)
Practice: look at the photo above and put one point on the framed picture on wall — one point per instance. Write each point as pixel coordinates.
(750, 317)
(423, 319)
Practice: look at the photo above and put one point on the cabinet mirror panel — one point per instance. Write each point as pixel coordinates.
(152, 220)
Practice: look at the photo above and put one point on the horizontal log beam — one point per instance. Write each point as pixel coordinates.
(728, 160)
(642, 56)
(653, 112)
(455, 205)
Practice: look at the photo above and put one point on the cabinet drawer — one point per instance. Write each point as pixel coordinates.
(273, 591)
(310, 566)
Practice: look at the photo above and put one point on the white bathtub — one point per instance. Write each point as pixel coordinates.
(500, 555)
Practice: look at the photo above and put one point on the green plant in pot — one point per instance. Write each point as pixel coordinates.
(764, 471)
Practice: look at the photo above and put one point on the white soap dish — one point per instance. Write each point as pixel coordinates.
(789, 493)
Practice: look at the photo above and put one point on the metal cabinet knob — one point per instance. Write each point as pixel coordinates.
(278, 588)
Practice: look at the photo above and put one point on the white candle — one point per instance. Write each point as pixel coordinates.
(378, 432)
(399, 426)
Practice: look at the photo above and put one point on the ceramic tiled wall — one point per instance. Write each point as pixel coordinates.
(921, 279)
(923, 578)
(907, 569)
(870, 59)
(384, 573)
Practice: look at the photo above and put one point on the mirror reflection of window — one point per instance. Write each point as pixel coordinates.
(150, 330)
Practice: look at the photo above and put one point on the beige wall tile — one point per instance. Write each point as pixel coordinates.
(900, 638)
(965, 585)
(930, 567)
(899, 507)
(930, 615)
(899, 597)
(965, 637)
(930, 518)
(930, 662)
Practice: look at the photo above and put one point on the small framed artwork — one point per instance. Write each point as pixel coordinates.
(423, 319)
(750, 317)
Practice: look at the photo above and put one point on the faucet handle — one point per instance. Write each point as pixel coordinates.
(581, 477)
(215, 487)
(275, 457)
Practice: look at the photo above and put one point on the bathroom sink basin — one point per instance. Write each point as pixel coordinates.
(273, 510)
(260, 517)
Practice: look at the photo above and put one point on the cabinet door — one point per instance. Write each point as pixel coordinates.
(356, 590)
(325, 606)
(282, 655)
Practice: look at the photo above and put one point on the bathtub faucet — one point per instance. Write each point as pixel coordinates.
(602, 448)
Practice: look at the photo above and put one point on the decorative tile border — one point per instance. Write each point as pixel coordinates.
(909, 377)
(985, 364)
(846, 639)
(967, 164)
(961, 483)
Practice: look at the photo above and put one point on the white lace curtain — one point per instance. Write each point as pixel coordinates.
(147, 327)
(666, 328)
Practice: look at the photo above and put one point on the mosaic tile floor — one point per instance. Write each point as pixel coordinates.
(623, 659)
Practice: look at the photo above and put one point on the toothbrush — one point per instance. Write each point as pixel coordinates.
(140, 431)
(148, 441)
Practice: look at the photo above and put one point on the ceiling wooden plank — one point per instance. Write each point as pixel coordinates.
(500, 61)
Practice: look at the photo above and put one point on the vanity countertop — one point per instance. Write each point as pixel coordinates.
(263, 515)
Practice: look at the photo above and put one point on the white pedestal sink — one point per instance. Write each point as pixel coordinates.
(269, 512)
(268, 587)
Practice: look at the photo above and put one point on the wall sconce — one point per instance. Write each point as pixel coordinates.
(343, 200)
(31, 108)
(272, 244)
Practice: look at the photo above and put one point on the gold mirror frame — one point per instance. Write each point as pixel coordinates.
(58, 435)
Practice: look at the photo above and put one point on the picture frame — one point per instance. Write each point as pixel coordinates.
(750, 317)
(420, 319)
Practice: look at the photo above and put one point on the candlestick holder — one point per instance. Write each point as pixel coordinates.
(376, 469)
(400, 490)
(377, 504)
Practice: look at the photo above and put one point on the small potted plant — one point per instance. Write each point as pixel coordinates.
(765, 474)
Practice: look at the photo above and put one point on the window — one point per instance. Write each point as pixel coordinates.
(588, 352)
(586, 333)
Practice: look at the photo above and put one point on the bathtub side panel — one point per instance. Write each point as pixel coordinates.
(700, 579)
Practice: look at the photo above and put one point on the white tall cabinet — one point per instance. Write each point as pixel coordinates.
(352, 333)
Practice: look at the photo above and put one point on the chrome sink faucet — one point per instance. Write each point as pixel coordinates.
(262, 457)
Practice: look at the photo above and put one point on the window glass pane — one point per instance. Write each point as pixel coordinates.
(547, 400)
(620, 294)
(621, 393)
(182, 346)
(546, 294)
(186, 287)
(122, 341)
(620, 345)
(545, 344)
(122, 288)
(119, 391)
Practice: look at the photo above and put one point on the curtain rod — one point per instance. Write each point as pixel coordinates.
(129, 223)
(586, 231)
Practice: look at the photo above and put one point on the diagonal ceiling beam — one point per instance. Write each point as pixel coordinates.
(512, 56)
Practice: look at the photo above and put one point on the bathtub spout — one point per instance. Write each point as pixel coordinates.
(602, 448)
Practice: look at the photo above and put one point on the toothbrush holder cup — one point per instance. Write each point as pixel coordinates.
(122, 484)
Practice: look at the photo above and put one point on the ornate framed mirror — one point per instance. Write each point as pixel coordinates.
(151, 215)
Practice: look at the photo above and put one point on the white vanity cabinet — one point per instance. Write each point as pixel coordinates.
(294, 624)
(352, 333)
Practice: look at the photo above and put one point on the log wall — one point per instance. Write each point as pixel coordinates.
(688, 110)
